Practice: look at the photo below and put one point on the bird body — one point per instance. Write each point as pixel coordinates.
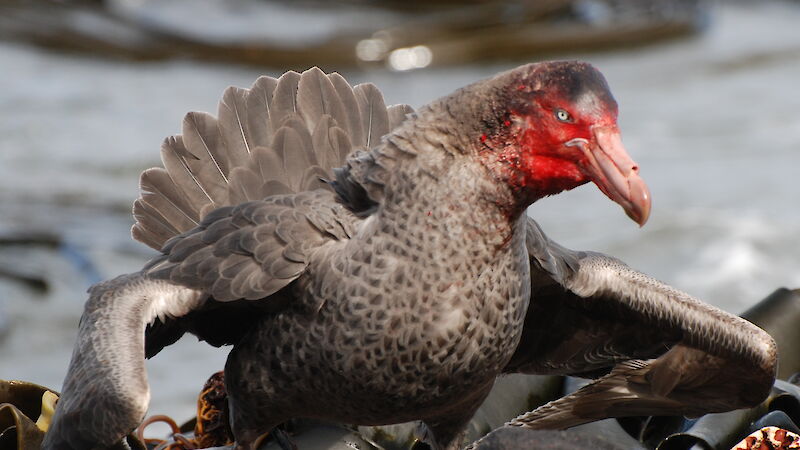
(401, 310)
(402, 287)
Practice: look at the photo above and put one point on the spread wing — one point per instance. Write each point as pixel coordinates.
(238, 210)
(656, 350)
(280, 136)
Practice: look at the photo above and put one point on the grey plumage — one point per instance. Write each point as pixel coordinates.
(259, 101)
(375, 119)
(211, 162)
(253, 249)
(373, 265)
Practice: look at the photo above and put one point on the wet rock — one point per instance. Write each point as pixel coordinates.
(308, 435)
(713, 430)
(589, 438)
(20, 408)
(776, 419)
(778, 315)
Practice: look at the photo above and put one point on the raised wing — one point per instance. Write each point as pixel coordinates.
(280, 136)
(656, 350)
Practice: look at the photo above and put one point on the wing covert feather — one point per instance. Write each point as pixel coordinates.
(252, 250)
(398, 114)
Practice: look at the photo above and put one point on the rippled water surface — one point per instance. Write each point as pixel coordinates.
(713, 121)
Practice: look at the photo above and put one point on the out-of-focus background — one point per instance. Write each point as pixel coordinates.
(709, 108)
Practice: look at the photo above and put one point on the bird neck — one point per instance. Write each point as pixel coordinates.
(444, 191)
(461, 133)
(528, 175)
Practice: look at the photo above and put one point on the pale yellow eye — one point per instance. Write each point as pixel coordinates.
(563, 116)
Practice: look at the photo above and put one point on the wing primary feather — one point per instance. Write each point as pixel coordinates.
(201, 135)
(188, 170)
(290, 145)
(352, 126)
(326, 154)
(259, 110)
(157, 186)
(316, 96)
(232, 123)
(150, 228)
(173, 156)
(375, 119)
(284, 100)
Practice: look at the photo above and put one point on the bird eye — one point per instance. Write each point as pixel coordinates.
(563, 116)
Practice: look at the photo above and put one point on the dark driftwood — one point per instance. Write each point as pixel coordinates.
(476, 32)
(35, 281)
(21, 240)
(596, 438)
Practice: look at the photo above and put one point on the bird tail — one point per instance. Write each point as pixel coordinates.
(282, 135)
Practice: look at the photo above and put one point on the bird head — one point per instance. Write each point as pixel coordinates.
(552, 127)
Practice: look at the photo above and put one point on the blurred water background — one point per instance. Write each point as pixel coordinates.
(712, 119)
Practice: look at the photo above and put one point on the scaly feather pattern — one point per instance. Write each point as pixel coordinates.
(281, 136)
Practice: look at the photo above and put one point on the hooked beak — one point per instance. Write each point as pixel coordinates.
(615, 173)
